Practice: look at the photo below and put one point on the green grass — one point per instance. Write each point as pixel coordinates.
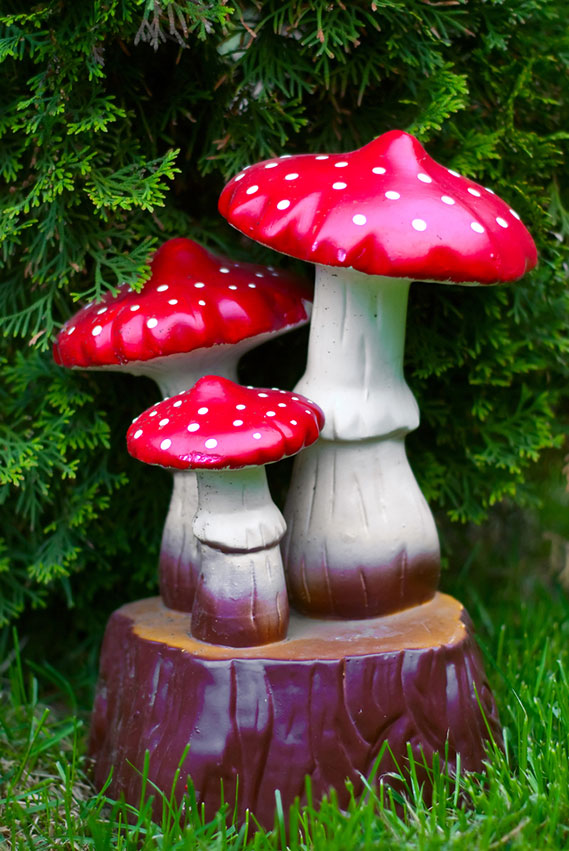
(522, 800)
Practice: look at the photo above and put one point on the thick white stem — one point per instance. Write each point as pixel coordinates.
(241, 597)
(354, 369)
(361, 540)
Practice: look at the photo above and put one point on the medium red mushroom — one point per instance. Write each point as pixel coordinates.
(361, 539)
(198, 313)
(226, 434)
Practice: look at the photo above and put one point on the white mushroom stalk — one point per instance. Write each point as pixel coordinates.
(241, 597)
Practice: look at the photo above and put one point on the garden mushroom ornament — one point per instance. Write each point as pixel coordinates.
(198, 314)
(226, 434)
(361, 539)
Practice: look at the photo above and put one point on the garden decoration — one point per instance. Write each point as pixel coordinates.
(361, 539)
(373, 652)
(227, 433)
(198, 314)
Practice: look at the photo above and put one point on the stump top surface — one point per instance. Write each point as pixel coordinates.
(441, 621)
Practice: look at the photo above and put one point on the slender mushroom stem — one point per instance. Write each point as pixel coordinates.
(241, 597)
(361, 539)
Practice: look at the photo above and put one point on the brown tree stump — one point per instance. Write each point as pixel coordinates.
(319, 703)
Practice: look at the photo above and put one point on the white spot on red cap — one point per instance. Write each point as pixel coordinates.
(292, 176)
(224, 271)
(134, 307)
(96, 330)
(201, 302)
(203, 410)
(193, 427)
(258, 274)
(152, 413)
(339, 185)
(271, 413)
(239, 176)
(211, 443)
(237, 422)
(166, 443)
(232, 287)
(477, 227)
(419, 224)
(446, 199)
(164, 422)
(341, 164)
(283, 205)
(162, 288)
(102, 310)
(359, 219)
(293, 422)
(71, 330)
(252, 189)
(322, 157)
(424, 178)
(392, 195)
(252, 286)
(199, 284)
(514, 214)
(502, 222)
(240, 407)
(378, 169)
(454, 173)
(271, 165)
(137, 433)
(178, 403)
(474, 192)
(152, 322)
(282, 404)
(172, 301)
(257, 435)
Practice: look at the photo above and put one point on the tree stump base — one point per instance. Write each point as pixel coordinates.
(320, 703)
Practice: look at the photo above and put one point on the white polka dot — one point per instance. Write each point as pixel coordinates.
(224, 271)
(514, 214)
(282, 404)
(240, 407)
(283, 205)
(285, 156)
(454, 173)
(164, 422)
(211, 443)
(339, 185)
(135, 307)
(166, 444)
(502, 222)
(419, 224)
(251, 190)
(71, 330)
(96, 330)
(271, 165)
(474, 192)
(341, 164)
(137, 433)
(378, 170)
(193, 427)
(293, 422)
(172, 301)
(239, 177)
(152, 413)
(231, 287)
(359, 219)
(292, 176)
(152, 323)
(322, 157)
(477, 227)
(252, 286)
(237, 422)
(424, 178)
(201, 303)
(199, 284)
(263, 395)
(257, 435)
(446, 199)
(178, 403)
(102, 310)
(491, 191)
(203, 410)
(271, 414)
(393, 196)
(295, 398)
(162, 288)
(259, 274)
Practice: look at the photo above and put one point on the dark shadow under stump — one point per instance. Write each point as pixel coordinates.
(320, 703)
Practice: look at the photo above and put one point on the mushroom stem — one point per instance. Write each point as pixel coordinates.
(241, 597)
(361, 540)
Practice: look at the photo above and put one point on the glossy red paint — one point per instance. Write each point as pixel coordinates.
(385, 209)
(194, 299)
(221, 425)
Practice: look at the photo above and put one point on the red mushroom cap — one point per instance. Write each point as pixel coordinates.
(193, 300)
(385, 209)
(221, 425)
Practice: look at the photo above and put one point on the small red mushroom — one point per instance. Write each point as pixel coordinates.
(361, 540)
(198, 313)
(226, 434)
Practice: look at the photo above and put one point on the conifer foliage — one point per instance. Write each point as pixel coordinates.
(120, 121)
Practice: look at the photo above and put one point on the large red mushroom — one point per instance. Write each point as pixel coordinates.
(361, 539)
(226, 434)
(198, 314)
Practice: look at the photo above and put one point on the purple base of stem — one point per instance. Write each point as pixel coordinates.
(239, 623)
(321, 703)
(178, 580)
